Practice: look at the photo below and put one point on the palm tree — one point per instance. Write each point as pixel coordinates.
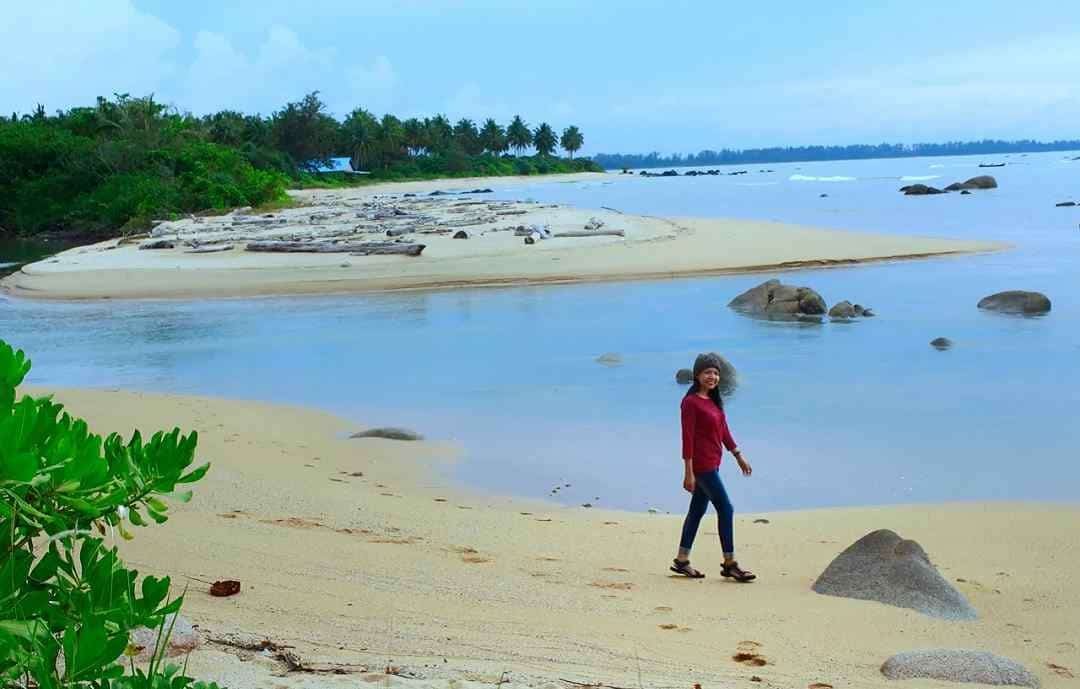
(493, 137)
(359, 132)
(467, 137)
(439, 133)
(544, 139)
(518, 135)
(572, 140)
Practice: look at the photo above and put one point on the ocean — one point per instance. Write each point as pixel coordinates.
(829, 414)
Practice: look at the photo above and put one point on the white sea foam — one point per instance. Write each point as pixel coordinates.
(809, 178)
(918, 178)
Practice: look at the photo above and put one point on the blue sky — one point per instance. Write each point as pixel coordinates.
(635, 76)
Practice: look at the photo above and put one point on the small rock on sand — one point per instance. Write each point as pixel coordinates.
(885, 568)
(388, 433)
(959, 665)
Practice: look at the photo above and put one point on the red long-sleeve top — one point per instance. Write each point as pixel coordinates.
(704, 431)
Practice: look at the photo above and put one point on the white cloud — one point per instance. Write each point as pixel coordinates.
(280, 69)
(63, 54)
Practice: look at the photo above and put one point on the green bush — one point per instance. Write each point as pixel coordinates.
(63, 490)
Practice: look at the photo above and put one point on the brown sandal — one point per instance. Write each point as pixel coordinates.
(683, 567)
(733, 571)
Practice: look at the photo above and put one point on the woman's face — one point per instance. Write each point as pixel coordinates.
(708, 379)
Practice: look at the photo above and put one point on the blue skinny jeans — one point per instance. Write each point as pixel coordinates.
(709, 488)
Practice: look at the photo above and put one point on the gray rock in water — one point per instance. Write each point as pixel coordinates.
(941, 343)
(388, 433)
(609, 359)
(885, 568)
(1065, 204)
(920, 190)
(684, 376)
(959, 665)
(1016, 301)
(773, 298)
(842, 309)
(980, 182)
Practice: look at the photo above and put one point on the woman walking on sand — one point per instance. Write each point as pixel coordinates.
(704, 431)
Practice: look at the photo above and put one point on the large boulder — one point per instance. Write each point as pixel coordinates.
(885, 568)
(959, 665)
(1016, 301)
(772, 298)
(920, 190)
(980, 182)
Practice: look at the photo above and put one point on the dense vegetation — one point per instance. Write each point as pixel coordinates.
(67, 600)
(123, 162)
(797, 154)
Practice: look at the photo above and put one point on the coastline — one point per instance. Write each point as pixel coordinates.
(652, 248)
(396, 569)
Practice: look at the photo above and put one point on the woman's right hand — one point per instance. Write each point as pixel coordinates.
(688, 483)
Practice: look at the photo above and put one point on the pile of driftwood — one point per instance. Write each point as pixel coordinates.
(353, 248)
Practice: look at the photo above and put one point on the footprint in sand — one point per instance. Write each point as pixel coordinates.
(611, 523)
(296, 523)
(391, 540)
(819, 685)
(547, 558)
(338, 480)
(525, 514)
(1060, 670)
(748, 654)
(543, 519)
(1066, 646)
(673, 628)
(614, 569)
(613, 585)
(440, 499)
(464, 507)
(662, 608)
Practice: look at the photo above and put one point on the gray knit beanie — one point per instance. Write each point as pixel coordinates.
(708, 360)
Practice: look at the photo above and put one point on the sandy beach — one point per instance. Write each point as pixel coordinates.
(357, 554)
(208, 256)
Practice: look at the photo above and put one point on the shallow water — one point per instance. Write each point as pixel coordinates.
(830, 414)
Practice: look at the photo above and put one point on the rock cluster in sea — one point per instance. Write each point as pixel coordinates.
(980, 182)
(773, 299)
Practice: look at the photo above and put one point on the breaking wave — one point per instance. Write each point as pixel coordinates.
(809, 178)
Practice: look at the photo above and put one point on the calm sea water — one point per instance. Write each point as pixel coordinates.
(830, 414)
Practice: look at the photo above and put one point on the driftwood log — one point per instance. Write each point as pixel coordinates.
(209, 249)
(354, 248)
(590, 233)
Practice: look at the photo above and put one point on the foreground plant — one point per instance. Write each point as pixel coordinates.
(67, 602)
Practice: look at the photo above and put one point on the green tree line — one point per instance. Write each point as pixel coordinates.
(122, 162)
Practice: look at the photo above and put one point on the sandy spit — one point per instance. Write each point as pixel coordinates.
(652, 248)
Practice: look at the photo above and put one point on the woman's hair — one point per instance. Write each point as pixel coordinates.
(714, 394)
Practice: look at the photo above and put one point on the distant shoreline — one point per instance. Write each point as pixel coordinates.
(831, 154)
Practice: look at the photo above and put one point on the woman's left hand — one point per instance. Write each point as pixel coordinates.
(744, 465)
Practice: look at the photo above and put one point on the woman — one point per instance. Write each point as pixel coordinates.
(704, 433)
